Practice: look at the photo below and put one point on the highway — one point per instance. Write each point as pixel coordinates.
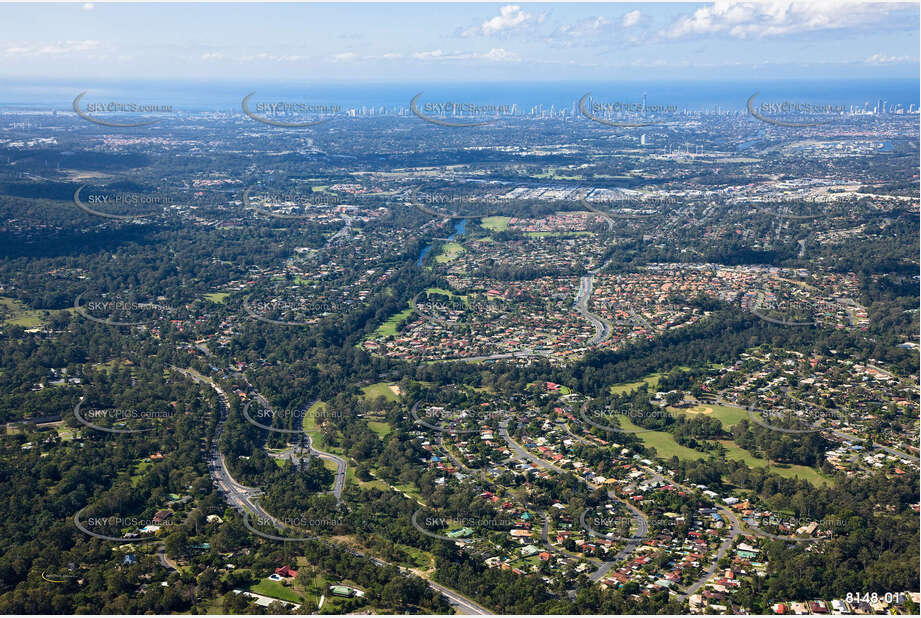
(237, 495)
(607, 217)
(602, 326)
(241, 498)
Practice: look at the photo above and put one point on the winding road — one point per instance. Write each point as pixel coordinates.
(602, 327)
(642, 525)
(341, 464)
(241, 498)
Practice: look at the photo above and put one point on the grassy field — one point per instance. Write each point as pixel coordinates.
(389, 328)
(666, 447)
(14, 313)
(276, 591)
(727, 416)
(735, 452)
(312, 427)
(381, 428)
(331, 466)
(107, 367)
(217, 297)
(449, 251)
(496, 224)
(140, 469)
(420, 558)
(652, 380)
(380, 389)
(662, 441)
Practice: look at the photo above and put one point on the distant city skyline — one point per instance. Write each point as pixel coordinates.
(467, 42)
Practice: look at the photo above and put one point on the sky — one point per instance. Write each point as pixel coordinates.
(464, 42)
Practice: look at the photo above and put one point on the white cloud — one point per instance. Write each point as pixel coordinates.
(496, 54)
(631, 19)
(775, 18)
(509, 19)
(428, 55)
(88, 6)
(884, 59)
(50, 49)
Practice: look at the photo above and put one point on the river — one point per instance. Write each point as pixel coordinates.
(459, 228)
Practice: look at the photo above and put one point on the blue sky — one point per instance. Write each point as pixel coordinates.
(465, 42)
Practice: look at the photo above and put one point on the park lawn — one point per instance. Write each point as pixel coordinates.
(381, 428)
(789, 471)
(666, 447)
(652, 380)
(275, 590)
(312, 428)
(17, 314)
(449, 251)
(380, 389)
(419, 557)
(376, 483)
(217, 297)
(140, 469)
(496, 224)
(410, 490)
(662, 441)
(389, 328)
(727, 416)
(65, 432)
(332, 467)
